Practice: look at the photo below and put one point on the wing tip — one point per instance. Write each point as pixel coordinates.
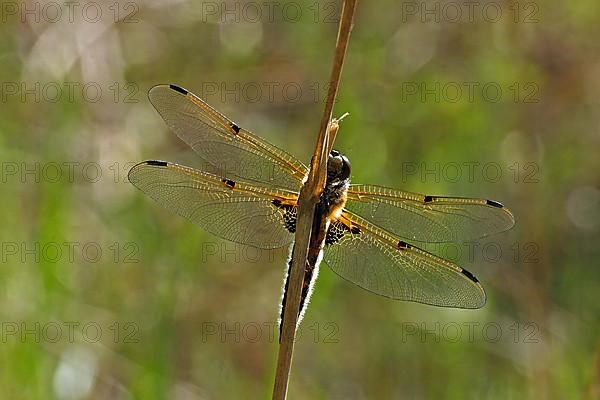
(153, 163)
(507, 212)
(483, 300)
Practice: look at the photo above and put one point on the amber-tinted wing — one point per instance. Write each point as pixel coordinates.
(234, 210)
(383, 264)
(232, 150)
(433, 219)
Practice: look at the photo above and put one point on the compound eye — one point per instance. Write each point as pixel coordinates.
(334, 164)
(346, 168)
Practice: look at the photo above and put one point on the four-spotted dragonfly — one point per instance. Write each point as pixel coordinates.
(362, 232)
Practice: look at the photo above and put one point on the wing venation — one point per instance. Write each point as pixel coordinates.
(383, 264)
(428, 219)
(234, 210)
(222, 143)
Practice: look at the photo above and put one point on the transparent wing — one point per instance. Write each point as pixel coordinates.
(422, 218)
(234, 210)
(222, 143)
(385, 265)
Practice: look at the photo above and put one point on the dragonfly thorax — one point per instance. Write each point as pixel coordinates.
(334, 195)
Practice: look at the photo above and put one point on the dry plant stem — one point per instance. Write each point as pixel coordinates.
(309, 197)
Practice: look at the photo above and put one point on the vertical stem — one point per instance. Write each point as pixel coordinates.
(309, 197)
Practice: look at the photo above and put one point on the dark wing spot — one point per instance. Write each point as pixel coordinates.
(428, 199)
(403, 245)
(157, 163)
(289, 214)
(179, 89)
(235, 128)
(494, 203)
(469, 275)
(336, 231)
(228, 182)
(289, 218)
(355, 230)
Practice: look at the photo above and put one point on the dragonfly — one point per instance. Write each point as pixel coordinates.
(367, 234)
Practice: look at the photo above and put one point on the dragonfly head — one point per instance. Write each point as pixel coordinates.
(338, 167)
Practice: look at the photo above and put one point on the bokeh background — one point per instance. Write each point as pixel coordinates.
(104, 295)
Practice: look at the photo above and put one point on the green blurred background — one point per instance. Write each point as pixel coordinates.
(105, 295)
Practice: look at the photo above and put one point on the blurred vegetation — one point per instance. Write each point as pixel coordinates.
(154, 315)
